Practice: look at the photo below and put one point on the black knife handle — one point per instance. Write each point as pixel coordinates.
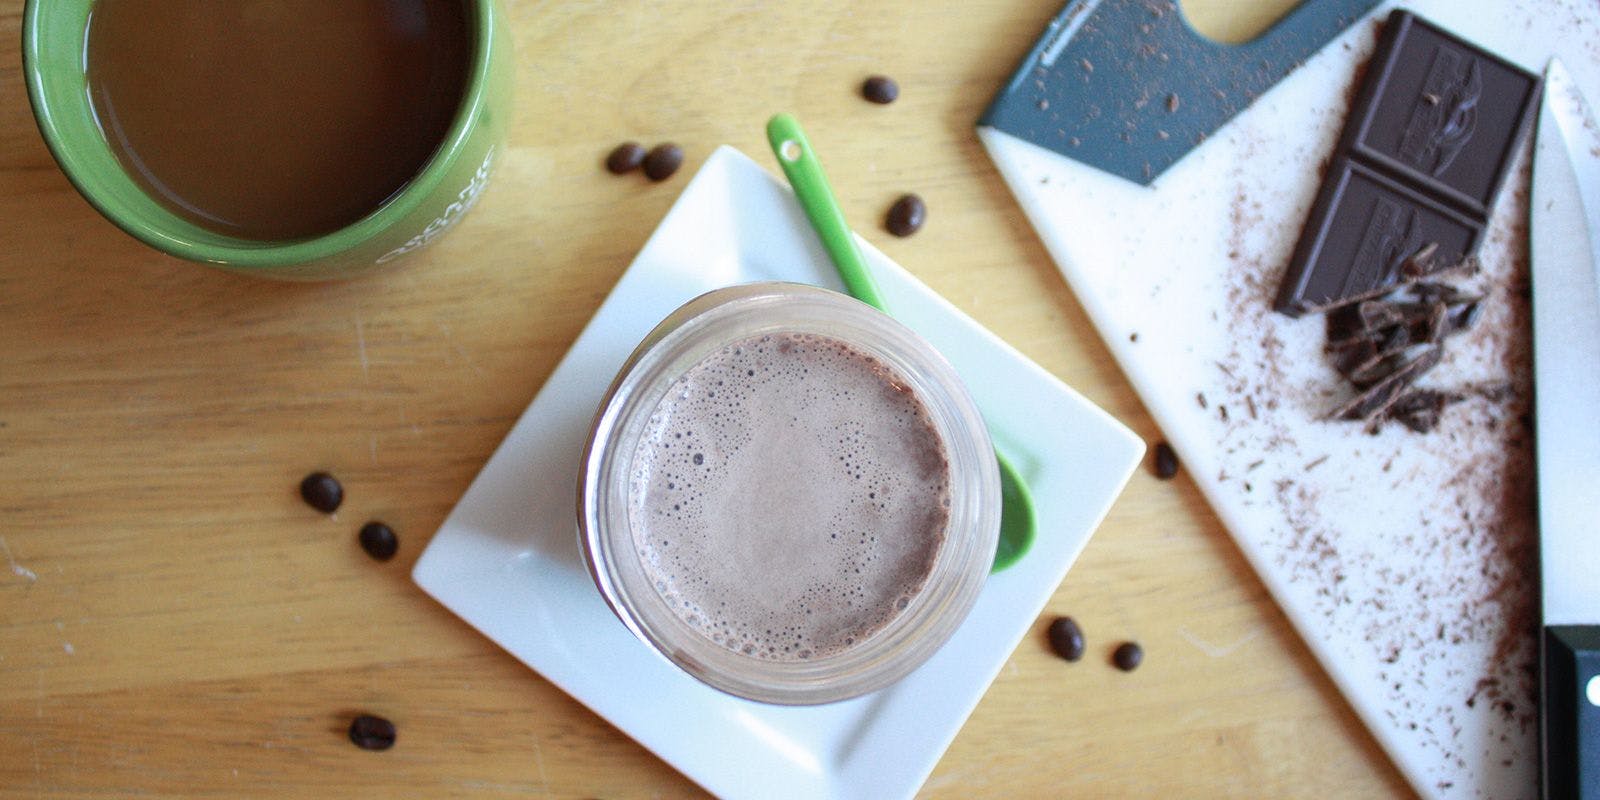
(1570, 706)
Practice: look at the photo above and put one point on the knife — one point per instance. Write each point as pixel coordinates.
(1565, 243)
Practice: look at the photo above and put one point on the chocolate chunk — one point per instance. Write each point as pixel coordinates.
(379, 540)
(1419, 420)
(372, 733)
(1465, 316)
(1347, 326)
(1356, 357)
(1375, 314)
(1371, 342)
(1431, 291)
(1374, 369)
(662, 161)
(1370, 405)
(1425, 149)
(1431, 328)
(1166, 461)
(625, 158)
(906, 216)
(1395, 340)
(1419, 409)
(322, 492)
(1066, 638)
(880, 89)
(1128, 656)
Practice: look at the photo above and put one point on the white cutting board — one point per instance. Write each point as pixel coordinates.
(1406, 561)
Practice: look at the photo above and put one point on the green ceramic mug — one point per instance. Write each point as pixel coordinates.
(53, 41)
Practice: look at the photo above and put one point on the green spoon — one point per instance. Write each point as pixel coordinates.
(810, 184)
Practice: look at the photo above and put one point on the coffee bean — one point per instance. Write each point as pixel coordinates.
(662, 161)
(1166, 461)
(880, 89)
(1066, 639)
(906, 215)
(1128, 656)
(625, 158)
(322, 492)
(372, 733)
(379, 540)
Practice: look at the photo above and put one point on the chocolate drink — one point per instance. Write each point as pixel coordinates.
(789, 496)
(276, 119)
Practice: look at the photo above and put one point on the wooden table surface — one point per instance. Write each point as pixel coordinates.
(175, 621)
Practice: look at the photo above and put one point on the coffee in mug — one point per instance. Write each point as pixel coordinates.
(276, 119)
(295, 139)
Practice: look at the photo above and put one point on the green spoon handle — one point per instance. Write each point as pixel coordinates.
(810, 184)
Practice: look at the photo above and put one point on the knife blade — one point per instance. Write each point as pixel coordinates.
(1565, 243)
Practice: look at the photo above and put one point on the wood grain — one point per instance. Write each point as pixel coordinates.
(175, 622)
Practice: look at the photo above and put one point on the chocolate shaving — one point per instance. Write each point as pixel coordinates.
(1357, 356)
(1395, 340)
(1419, 409)
(1429, 291)
(1420, 263)
(1375, 369)
(1433, 329)
(1465, 317)
(1346, 327)
(1376, 314)
(1371, 405)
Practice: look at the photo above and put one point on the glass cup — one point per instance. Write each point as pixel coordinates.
(685, 338)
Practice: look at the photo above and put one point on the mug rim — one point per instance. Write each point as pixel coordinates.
(262, 255)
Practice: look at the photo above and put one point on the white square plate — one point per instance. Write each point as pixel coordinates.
(506, 559)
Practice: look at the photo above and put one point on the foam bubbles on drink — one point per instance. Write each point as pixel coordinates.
(789, 496)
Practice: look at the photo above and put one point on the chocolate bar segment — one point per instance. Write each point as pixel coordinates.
(1448, 115)
(1426, 147)
(1363, 229)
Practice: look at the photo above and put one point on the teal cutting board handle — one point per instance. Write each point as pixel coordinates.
(1127, 86)
(804, 170)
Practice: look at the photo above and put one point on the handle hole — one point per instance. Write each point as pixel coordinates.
(1229, 22)
(789, 150)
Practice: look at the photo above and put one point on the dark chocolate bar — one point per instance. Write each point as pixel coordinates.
(1424, 151)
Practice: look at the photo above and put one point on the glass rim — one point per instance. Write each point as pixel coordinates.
(911, 636)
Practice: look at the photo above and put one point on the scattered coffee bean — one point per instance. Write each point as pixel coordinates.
(662, 161)
(625, 158)
(906, 215)
(322, 492)
(1166, 461)
(1066, 639)
(379, 540)
(1128, 656)
(372, 733)
(880, 89)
